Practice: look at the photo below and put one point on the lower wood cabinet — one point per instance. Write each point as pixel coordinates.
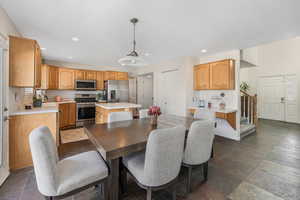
(67, 115)
(20, 127)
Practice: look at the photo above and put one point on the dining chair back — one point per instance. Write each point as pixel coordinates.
(163, 155)
(119, 116)
(143, 113)
(199, 142)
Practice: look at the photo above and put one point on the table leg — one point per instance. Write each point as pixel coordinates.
(113, 179)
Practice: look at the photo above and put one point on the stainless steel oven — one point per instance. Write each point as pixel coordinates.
(85, 85)
(86, 109)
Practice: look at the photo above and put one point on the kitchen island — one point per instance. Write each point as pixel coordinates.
(103, 109)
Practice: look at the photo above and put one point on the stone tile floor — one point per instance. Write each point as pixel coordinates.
(264, 165)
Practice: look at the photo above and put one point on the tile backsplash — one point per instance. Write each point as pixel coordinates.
(67, 94)
(214, 96)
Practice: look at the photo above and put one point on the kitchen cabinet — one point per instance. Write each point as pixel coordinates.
(90, 75)
(20, 127)
(110, 75)
(222, 75)
(122, 75)
(24, 63)
(66, 79)
(67, 115)
(100, 80)
(202, 77)
(219, 75)
(44, 77)
(53, 77)
(79, 75)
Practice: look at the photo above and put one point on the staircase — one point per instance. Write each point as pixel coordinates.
(248, 114)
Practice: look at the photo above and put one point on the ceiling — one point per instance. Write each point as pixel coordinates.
(167, 28)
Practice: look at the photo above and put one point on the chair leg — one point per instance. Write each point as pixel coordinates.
(174, 193)
(105, 190)
(205, 170)
(189, 179)
(49, 198)
(149, 194)
(212, 152)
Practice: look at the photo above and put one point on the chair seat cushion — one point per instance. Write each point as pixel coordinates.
(135, 164)
(77, 171)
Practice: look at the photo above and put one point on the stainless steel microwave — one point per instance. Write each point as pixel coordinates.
(85, 85)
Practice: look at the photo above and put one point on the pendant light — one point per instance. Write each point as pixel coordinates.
(132, 59)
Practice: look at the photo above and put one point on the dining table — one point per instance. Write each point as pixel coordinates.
(118, 139)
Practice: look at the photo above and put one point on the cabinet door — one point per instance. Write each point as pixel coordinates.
(53, 78)
(122, 75)
(63, 115)
(110, 75)
(222, 75)
(37, 66)
(72, 114)
(44, 77)
(201, 77)
(90, 75)
(79, 75)
(66, 79)
(100, 80)
(21, 62)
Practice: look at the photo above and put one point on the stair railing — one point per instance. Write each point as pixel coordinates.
(249, 107)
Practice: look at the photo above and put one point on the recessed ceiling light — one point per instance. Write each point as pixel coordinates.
(70, 57)
(203, 50)
(147, 54)
(75, 39)
(43, 48)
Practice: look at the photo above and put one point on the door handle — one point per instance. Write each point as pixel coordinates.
(282, 100)
(5, 118)
(5, 109)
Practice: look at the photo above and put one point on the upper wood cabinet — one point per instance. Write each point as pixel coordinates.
(222, 75)
(122, 76)
(90, 75)
(110, 75)
(66, 79)
(79, 75)
(53, 77)
(202, 77)
(100, 80)
(219, 75)
(24, 63)
(44, 77)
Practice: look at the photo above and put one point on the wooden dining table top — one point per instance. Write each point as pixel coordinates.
(118, 139)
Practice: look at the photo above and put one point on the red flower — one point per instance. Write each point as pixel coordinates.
(154, 110)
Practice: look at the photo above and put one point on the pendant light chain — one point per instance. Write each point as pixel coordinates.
(134, 42)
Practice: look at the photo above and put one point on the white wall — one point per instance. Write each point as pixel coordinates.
(6, 28)
(276, 58)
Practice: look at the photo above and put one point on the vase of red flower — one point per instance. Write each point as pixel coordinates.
(154, 112)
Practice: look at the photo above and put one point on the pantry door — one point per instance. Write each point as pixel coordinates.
(291, 99)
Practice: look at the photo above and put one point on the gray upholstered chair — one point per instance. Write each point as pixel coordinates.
(143, 113)
(198, 147)
(159, 166)
(61, 178)
(119, 116)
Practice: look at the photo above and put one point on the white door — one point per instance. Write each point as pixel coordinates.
(3, 111)
(171, 82)
(278, 98)
(271, 96)
(145, 90)
(291, 98)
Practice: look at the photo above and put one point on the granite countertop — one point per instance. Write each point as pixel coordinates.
(225, 111)
(46, 109)
(117, 105)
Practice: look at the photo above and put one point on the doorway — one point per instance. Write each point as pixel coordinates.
(145, 90)
(278, 97)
